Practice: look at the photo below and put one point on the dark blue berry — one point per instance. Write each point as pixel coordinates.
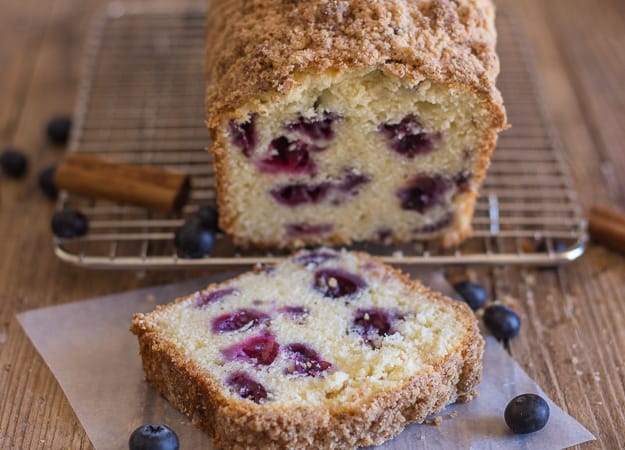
(335, 283)
(316, 128)
(288, 156)
(13, 162)
(473, 294)
(304, 360)
(243, 134)
(69, 223)
(208, 217)
(58, 129)
(247, 387)
(527, 413)
(408, 138)
(46, 182)
(192, 240)
(423, 193)
(502, 321)
(153, 437)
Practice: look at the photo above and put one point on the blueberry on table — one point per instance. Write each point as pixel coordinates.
(208, 217)
(69, 223)
(46, 182)
(13, 162)
(153, 437)
(502, 321)
(526, 413)
(58, 129)
(192, 240)
(472, 293)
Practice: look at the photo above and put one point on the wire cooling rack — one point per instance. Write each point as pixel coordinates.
(141, 100)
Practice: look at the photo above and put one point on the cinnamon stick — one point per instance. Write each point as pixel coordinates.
(607, 226)
(147, 186)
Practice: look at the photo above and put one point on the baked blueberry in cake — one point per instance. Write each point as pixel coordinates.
(339, 121)
(329, 350)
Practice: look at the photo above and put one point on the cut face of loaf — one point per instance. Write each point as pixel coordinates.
(326, 350)
(383, 148)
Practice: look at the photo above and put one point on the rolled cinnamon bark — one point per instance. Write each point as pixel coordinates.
(607, 226)
(151, 187)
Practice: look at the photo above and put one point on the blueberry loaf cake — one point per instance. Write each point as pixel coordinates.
(326, 350)
(348, 120)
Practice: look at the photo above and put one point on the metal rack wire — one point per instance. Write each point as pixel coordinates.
(141, 100)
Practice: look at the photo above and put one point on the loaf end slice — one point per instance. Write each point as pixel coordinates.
(335, 122)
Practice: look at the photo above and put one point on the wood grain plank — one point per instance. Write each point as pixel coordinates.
(572, 340)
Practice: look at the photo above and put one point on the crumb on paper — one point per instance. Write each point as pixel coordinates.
(436, 421)
(596, 376)
(150, 298)
(453, 414)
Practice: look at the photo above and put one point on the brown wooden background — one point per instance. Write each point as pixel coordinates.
(573, 337)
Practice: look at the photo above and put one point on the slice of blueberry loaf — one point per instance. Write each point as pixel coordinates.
(326, 350)
(340, 121)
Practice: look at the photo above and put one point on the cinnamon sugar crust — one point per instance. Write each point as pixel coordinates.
(259, 48)
(240, 424)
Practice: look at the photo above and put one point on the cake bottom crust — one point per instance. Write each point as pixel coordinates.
(370, 422)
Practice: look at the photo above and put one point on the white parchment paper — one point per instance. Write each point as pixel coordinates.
(96, 361)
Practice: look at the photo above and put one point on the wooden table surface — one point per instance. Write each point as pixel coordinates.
(573, 336)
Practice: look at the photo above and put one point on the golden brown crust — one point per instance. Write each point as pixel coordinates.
(241, 424)
(447, 41)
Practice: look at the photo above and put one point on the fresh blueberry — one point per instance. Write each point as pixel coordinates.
(261, 349)
(408, 138)
(527, 413)
(208, 217)
(69, 223)
(288, 156)
(299, 193)
(46, 182)
(206, 298)
(351, 181)
(305, 361)
(247, 387)
(58, 129)
(335, 283)
(238, 319)
(502, 321)
(243, 134)
(423, 193)
(316, 128)
(373, 323)
(192, 240)
(13, 162)
(153, 437)
(472, 293)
